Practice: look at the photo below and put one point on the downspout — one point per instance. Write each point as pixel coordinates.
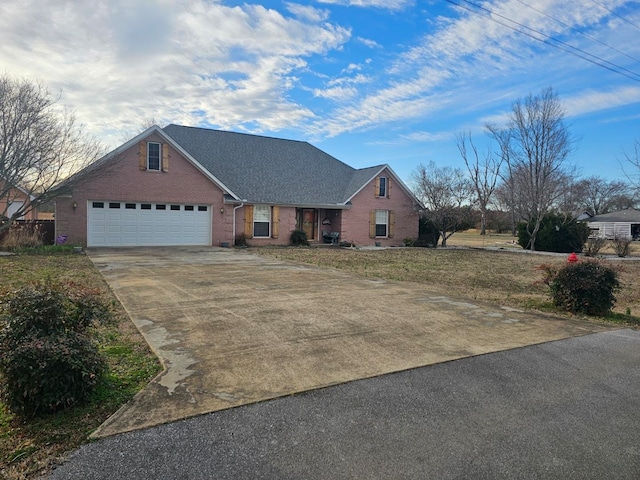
(233, 240)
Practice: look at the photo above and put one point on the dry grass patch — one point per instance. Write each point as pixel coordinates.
(502, 277)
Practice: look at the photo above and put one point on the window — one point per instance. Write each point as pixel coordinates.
(161, 206)
(153, 156)
(175, 207)
(261, 220)
(382, 189)
(188, 208)
(382, 222)
(98, 204)
(114, 205)
(145, 206)
(130, 206)
(202, 208)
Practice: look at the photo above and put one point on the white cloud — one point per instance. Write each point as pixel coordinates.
(369, 43)
(187, 61)
(595, 101)
(382, 4)
(307, 12)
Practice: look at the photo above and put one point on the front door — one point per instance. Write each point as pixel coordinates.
(308, 224)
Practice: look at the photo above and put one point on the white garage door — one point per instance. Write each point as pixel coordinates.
(120, 224)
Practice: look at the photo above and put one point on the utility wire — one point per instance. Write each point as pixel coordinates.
(591, 37)
(616, 14)
(560, 45)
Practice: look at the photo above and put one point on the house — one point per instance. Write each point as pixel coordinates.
(624, 223)
(14, 200)
(194, 186)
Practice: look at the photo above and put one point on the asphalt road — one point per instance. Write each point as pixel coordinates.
(568, 409)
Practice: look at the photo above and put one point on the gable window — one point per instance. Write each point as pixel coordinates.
(382, 188)
(261, 220)
(153, 156)
(382, 223)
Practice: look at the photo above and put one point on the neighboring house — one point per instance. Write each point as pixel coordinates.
(194, 186)
(624, 223)
(16, 199)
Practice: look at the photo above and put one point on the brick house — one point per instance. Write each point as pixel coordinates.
(15, 200)
(194, 186)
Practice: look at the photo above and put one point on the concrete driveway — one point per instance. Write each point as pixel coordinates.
(233, 328)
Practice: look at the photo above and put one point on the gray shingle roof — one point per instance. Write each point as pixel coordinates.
(271, 170)
(630, 215)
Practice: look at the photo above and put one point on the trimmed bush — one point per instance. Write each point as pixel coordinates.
(556, 234)
(299, 238)
(48, 359)
(583, 287)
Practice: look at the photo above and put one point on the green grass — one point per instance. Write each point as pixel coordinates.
(29, 447)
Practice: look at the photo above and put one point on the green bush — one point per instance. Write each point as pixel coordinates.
(557, 234)
(583, 287)
(299, 238)
(428, 233)
(48, 359)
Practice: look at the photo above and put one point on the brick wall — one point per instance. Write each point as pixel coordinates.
(121, 179)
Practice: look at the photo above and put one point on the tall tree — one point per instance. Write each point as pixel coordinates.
(536, 144)
(599, 195)
(40, 144)
(484, 174)
(445, 192)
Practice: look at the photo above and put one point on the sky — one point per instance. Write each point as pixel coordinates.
(368, 81)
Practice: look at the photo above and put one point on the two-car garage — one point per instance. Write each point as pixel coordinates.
(133, 224)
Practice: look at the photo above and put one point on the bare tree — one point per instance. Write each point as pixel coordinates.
(445, 192)
(599, 195)
(484, 175)
(40, 144)
(536, 144)
(633, 160)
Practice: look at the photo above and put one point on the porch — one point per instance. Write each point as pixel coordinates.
(322, 226)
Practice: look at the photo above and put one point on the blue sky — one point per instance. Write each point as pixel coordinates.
(367, 81)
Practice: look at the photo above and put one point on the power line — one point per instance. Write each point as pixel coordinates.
(560, 45)
(616, 14)
(591, 37)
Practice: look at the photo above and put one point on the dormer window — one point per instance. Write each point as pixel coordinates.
(153, 156)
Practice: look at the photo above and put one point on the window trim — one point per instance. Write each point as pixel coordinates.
(264, 208)
(383, 187)
(386, 224)
(159, 156)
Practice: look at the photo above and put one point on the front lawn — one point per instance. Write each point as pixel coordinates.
(502, 277)
(28, 447)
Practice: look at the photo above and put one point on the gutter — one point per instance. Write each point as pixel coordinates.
(233, 240)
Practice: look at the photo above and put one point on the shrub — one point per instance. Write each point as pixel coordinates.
(241, 240)
(408, 242)
(594, 245)
(299, 238)
(21, 236)
(622, 246)
(556, 234)
(583, 287)
(428, 233)
(48, 358)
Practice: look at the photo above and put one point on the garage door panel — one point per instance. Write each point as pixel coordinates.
(120, 224)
